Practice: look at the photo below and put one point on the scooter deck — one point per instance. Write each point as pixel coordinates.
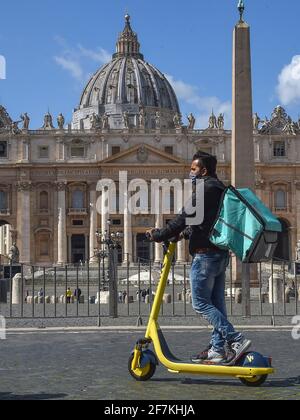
(174, 365)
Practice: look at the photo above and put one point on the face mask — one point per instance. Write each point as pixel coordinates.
(194, 178)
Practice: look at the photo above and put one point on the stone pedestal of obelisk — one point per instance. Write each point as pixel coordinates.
(243, 169)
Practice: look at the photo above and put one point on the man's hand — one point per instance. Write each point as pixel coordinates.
(149, 233)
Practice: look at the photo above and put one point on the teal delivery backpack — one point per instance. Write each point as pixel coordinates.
(245, 226)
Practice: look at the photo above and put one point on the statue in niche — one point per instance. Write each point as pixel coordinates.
(142, 118)
(157, 120)
(126, 119)
(105, 122)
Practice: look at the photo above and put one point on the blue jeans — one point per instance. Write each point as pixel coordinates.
(208, 295)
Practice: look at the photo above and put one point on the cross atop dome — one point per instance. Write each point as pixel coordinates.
(128, 44)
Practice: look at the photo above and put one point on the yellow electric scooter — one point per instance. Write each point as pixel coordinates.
(252, 369)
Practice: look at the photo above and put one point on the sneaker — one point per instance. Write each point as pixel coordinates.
(198, 358)
(238, 348)
(216, 357)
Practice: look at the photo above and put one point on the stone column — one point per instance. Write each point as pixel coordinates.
(2, 242)
(62, 228)
(8, 238)
(24, 222)
(158, 250)
(127, 237)
(93, 225)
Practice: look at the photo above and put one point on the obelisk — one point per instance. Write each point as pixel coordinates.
(242, 162)
(243, 170)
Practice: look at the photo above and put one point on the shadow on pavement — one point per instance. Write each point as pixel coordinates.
(4, 396)
(270, 383)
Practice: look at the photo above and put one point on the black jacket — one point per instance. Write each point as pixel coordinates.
(198, 235)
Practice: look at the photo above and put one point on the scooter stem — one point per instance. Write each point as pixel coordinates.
(161, 286)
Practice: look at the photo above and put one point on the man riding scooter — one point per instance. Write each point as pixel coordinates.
(208, 268)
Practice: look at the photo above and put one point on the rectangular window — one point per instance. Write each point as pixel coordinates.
(3, 149)
(116, 222)
(77, 152)
(279, 149)
(77, 222)
(3, 200)
(44, 152)
(44, 245)
(115, 150)
(169, 150)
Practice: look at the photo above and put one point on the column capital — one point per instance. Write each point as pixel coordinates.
(24, 186)
(61, 185)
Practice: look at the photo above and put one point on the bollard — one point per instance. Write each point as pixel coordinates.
(54, 300)
(238, 296)
(167, 298)
(287, 294)
(129, 300)
(29, 300)
(40, 300)
(36, 300)
(147, 299)
(48, 299)
(16, 289)
(3, 291)
(277, 295)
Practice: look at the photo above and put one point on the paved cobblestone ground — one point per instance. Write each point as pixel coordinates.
(93, 365)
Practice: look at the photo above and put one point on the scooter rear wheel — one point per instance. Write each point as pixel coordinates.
(256, 381)
(142, 374)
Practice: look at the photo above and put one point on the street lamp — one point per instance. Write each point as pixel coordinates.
(107, 242)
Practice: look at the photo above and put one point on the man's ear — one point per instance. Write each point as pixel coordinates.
(205, 172)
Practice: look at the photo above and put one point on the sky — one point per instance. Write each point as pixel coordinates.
(52, 47)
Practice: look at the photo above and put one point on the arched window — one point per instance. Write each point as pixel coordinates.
(78, 199)
(44, 201)
(280, 200)
(3, 200)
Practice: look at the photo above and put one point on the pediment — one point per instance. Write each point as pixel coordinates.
(143, 155)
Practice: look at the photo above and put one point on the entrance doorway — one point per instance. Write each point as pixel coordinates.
(143, 247)
(283, 250)
(78, 251)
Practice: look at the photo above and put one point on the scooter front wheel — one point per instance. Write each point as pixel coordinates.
(256, 381)
(141, 374)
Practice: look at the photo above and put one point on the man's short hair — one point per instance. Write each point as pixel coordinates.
(207, 161)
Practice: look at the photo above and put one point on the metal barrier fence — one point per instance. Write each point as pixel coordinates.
(85, 291)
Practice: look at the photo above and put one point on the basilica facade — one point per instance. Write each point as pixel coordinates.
(128, 120)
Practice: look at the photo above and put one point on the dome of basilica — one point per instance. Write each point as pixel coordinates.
(128, 84)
